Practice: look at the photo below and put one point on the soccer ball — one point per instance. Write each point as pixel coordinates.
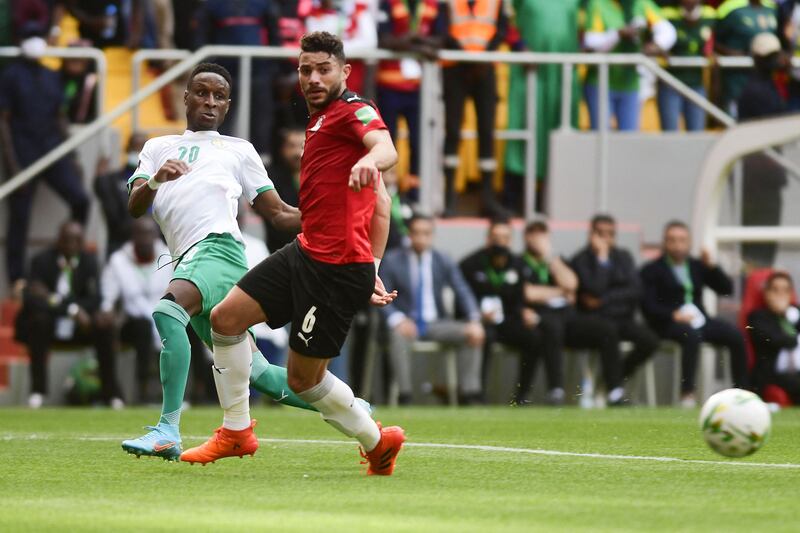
(735, 422)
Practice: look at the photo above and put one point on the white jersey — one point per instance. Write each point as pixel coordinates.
(205, 200)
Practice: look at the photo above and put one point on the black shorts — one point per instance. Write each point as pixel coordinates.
(319, 299)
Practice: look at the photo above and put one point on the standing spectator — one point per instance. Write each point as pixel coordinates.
(80, 82)
(102, 22)
(133, 281)
(672, 303)
(544, 26)
(549, 288)
(739, 22)
(60, 298)
(495, 276)
(31, 124)
(472, 27)
(694, 23)
(774, 333)
(420, 274)
(244, 22)
(405, 26)
(621, 27)
(763, 179)
(609, 288)
(285, 175)
(353, 21)
(111, 189)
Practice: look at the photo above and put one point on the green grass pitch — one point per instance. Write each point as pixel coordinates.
(63, 470)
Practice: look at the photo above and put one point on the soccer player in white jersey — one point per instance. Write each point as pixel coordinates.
(193, 183)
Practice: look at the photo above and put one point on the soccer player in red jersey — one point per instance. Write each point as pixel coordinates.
(320, 280)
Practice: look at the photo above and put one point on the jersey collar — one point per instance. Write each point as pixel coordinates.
(208, 133)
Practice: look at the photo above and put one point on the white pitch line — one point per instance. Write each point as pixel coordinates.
(474, 447)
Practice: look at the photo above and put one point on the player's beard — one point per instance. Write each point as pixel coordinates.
(333, 93)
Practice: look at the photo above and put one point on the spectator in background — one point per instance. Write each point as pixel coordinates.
(60, 298)
(549, 288)
(133, 282)
(44, 13)
(79, 79)
(472, 27)
(353, 21)
(739, 22)
(285, 175)
(763, 179)
(112, 191)
(32, 123)
(622, 26)
(495, 276)
(774, 333)
(420, 275)
(405, 26)
(401, 212)
(694, 23)
(672, 303)
(544, 26)
(102, 22)
(245, 22)
(608, 288)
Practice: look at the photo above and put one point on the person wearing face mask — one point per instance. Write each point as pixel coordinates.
(774, 331)
(763, 180)
(32, 123)
(694, 23)
(495, 276)
(672, 303)
(112, 191)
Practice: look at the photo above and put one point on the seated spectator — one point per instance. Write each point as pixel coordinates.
(420, 274)
(672, 303)
(102, 22)
(285, 175)
(111, 189)
(133, 281)
(495, 276)
(549, 286)
(774, 333)
(608, 288)
(60, 298)
(80, 82)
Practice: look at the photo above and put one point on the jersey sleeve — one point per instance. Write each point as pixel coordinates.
(252, 174)
(361, 118)
(147, 164)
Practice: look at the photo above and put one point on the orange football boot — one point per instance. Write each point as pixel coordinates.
(224, 443)
(381, 460)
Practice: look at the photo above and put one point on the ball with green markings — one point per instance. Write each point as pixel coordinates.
(735, 422)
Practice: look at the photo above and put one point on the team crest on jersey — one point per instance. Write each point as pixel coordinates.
(219, 143)
(318, 125)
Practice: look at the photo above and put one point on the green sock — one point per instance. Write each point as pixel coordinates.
(271, 380)
(176, 353)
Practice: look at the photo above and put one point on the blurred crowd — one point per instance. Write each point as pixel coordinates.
(532, 301)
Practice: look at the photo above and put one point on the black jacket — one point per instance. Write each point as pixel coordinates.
(283, 179)
(475, 268)
(662, 293)
(616, 285)
(768, 338)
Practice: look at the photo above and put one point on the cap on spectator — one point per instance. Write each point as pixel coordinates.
(765, 44)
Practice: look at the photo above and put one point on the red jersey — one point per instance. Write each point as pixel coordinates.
(336, 219)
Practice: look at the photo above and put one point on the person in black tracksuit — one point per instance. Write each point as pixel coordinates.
(495, 276)
(549, 289)
(774, 332)
(608, 288)
(672, 302)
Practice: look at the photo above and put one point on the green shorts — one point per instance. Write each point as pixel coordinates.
(213, 265)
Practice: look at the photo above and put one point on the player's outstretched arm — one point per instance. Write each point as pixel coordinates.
(143, 192)
(378, 233)
(281, 215)
(382, 156)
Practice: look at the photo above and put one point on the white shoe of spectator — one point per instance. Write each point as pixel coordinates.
(35, 400)
(117, 404)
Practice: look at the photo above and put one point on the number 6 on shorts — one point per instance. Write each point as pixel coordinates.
(309, 320)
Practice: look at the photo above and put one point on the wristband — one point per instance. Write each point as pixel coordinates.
(377, 261)
(152, 183)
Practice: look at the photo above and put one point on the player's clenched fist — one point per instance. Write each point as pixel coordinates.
(171, 170)
(363, 173)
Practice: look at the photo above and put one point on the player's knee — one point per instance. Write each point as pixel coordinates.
(225, 322)
(300, 383)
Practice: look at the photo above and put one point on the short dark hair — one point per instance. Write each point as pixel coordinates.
(214, 69)
(537, 226)
(602, 218)
(322, 41)
(778, 274)
(417, 216)
(499, 220)
(672, 224)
